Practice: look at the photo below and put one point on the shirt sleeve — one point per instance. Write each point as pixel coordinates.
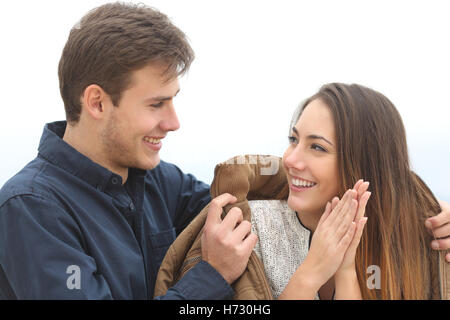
(42, 254)
(202, 282)
(188, 194)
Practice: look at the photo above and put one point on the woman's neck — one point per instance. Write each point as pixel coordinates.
(309, 220)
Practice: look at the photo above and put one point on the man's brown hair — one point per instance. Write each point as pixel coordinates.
(112, 41)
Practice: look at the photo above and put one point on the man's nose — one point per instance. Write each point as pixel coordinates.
(170, 121)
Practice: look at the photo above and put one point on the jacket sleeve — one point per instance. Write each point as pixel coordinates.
(42, 254)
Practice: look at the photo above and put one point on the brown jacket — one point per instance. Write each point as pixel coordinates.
(248, 178)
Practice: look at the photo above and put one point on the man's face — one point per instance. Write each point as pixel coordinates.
(134, 130)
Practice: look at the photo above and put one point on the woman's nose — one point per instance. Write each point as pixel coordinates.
(294, 159)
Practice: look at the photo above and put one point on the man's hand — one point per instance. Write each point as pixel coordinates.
(228, 243)
(440, 226)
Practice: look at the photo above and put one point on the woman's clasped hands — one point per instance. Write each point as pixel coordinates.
(334, 243)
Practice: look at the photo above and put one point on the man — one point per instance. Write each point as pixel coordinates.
(93, 214)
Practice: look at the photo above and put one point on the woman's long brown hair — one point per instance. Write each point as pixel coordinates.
(371, 142)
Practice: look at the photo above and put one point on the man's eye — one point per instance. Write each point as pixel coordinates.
(292, 140)
(318, 147)
(157, 105)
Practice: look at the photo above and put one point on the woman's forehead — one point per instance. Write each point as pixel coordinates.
(316, 118)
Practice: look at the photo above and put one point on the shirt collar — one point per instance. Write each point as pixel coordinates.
(55, 150)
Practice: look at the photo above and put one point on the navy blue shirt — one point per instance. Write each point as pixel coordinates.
(69, 229)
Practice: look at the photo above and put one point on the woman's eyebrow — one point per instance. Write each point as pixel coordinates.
(312, 136)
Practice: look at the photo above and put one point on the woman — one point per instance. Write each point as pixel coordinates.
(343, 133)
(313, 244)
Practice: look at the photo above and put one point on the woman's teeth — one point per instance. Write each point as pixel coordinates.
(152, 140)
(302, 183)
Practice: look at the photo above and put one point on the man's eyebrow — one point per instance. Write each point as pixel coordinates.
(162, 98)
(312, 136)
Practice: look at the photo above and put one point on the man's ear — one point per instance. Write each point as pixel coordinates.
(93, 100)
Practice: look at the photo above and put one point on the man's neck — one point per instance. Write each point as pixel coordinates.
(89, 146)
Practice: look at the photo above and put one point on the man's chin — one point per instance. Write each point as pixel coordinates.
(153, 163)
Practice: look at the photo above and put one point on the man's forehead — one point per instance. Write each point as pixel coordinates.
(153, 78)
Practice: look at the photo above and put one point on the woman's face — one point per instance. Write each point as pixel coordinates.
(311, 160)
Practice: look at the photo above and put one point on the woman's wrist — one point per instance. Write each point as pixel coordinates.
(345, 274)
(303, 285)
(309, 277)
(346, 285)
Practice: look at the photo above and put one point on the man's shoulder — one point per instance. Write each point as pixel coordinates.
(29, 181)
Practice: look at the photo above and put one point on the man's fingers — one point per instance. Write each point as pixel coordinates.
(441, 244)
(242, 230)
(233, 218)
(442, 231)
(440, 219)
(249, 243)
(216, 207)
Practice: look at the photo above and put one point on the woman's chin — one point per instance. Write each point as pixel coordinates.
(305, 207)
(297, 204)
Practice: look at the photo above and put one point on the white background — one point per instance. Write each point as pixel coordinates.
(255, 62)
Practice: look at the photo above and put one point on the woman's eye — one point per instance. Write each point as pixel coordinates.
(292, 140)
(318, 147)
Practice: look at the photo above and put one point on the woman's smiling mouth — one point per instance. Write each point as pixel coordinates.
(298, 184)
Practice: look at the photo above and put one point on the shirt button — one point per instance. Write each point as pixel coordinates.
(115, 180)
(132, 206)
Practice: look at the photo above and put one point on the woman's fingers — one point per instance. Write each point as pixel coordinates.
(348, 214)
(325, 214)
(334, 202)
(347, 238)
(357, 184)
(362, 188)
(336, 212)
(359, 231)
(362, 202)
